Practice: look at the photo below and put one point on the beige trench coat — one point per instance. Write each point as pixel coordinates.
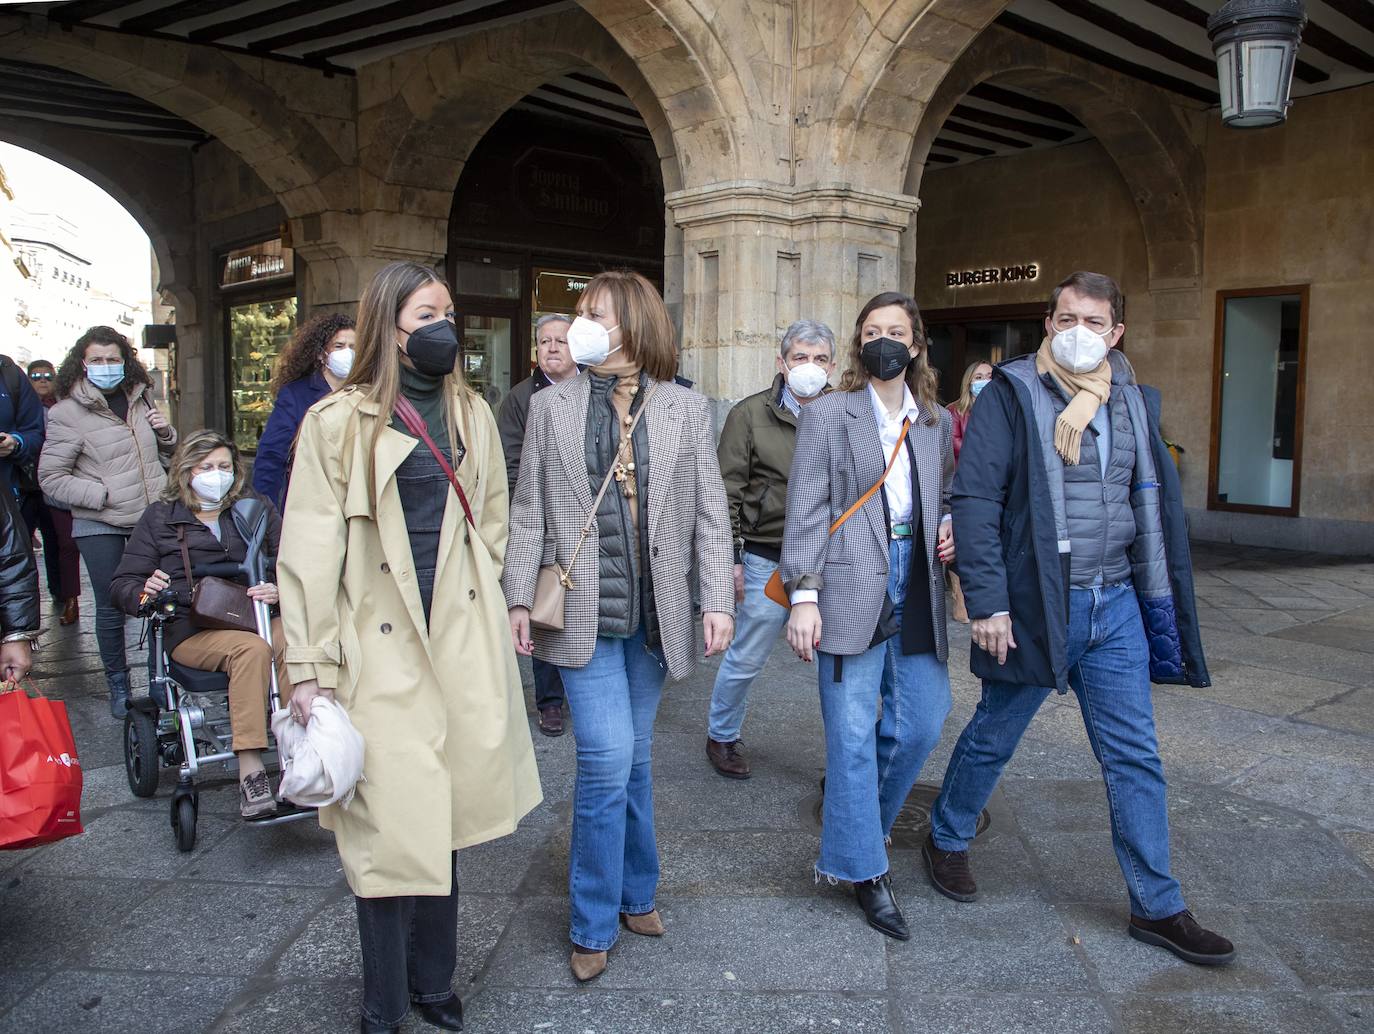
(448, 760)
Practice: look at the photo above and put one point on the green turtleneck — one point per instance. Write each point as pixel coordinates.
(426, 394)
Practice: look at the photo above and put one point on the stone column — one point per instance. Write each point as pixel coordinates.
(341, 252)
(757, 256)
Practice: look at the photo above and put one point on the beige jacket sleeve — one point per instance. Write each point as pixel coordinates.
(493, 522)
(314, 541)
(57, 468)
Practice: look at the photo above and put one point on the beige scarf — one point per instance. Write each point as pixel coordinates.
(1087, 391)
(626, 388)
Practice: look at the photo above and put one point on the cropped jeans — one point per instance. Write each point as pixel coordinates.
(758, 621)
(614, 862)
(1109, 671)
(872, 759)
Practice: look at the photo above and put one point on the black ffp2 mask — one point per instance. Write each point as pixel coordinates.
(433, 348)
(884, 358)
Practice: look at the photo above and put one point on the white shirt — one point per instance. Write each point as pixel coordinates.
(897, 487)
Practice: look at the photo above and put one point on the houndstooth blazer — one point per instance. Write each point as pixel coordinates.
(839, 457)
(689, 528)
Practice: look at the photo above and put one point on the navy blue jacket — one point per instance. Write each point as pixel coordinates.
(21, 415)
(272, 467)
(1008, 552)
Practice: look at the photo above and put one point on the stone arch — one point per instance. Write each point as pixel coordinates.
(893, 63)
(1141, 131)
(238, 101)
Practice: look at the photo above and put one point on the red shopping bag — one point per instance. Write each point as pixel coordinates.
(40, 777)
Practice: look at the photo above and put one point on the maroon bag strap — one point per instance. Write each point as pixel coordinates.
(185, 558)
(415, 424)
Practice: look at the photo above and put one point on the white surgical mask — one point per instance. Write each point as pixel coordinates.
(589, 343)
(1079, 349)
(339, 362)
(978, 386)
(105, 376)
(807, 380)
(212, 486)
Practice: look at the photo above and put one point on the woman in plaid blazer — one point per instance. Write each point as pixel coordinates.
(629, 618)
(868, 602)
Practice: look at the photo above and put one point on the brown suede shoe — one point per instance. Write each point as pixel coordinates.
(949, 872)
(587, 966)
(71, 612)
(551, 720)
(650, 924)
(1185, 937)
(727, 758)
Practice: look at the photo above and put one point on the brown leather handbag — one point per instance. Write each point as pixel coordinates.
(774, 589)
(217, 603)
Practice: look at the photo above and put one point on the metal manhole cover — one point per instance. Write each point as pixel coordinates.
(913, 821)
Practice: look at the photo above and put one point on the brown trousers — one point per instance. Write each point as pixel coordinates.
(247, 661)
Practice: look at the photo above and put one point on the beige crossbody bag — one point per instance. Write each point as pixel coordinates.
(551, 587)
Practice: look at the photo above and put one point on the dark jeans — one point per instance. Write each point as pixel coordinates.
(61, 560)
(102, 554)
(410, 948)
(548, 684)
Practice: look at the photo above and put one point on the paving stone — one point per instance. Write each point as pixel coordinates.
(328, 948)
(1261, 621)
(1321, 633)
(684, 780)
(777, 863)
(1036, 759)
(1225, 1014)
(298, 1008)
(1340, 795)
(1356, 1012)
(1019, 946)
(253, 854)
(595, 1010)
(1353, 712)
(48, 921)
(728, 944)
(1001, 1014)
(132, 841)
(1078, 806)
(1269, 865)
(1330, 945)
(15, 983)
(122, 1003)
(1262, 690)
(197, 928)
(1004, 869)
(1124, 965)
(1361, 845)
(1360, 617)
(500, 866)
(1323, 662)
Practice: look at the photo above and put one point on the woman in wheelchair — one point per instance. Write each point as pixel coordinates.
(206, 478)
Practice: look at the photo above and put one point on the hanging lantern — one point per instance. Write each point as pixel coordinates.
(1256, 44)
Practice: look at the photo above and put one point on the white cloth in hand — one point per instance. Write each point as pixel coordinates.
(322, 761)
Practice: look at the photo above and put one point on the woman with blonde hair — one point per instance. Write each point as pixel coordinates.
(619, 485)
(191, 526)
(877, 451)
(390, 572)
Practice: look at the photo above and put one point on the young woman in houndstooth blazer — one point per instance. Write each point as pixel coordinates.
(629, 618)
(868, 603)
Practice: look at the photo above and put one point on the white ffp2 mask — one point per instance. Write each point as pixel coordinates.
(1079, 349)
(807, 380)
(589, 343)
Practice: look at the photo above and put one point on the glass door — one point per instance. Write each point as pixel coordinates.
(257, 333)
(486, 353)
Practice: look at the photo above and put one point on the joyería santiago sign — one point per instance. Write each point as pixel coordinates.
(993, 275)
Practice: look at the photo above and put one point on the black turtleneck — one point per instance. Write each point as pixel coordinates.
(421, 482)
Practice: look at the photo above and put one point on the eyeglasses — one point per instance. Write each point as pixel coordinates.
(41, 376)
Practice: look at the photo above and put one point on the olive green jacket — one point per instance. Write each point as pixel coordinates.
(755, 453)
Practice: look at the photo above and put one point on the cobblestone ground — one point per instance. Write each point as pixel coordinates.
(1272, 798)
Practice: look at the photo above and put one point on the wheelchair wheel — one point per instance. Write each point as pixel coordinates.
(140, 752)
(184, 822)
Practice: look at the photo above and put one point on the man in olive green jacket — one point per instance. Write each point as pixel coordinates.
(755, 454)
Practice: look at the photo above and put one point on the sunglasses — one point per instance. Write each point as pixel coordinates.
(41, 376)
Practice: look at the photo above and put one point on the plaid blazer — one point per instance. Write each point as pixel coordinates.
(839, 457)
(689, 529)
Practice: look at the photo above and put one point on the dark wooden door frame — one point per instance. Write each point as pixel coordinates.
(1303, 291)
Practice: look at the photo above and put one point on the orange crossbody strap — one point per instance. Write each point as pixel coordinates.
(906, 426)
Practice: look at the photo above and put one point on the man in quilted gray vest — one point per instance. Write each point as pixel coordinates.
(1073, 554)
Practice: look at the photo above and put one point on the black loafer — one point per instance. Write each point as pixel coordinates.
(447, 1014)
(875, 897)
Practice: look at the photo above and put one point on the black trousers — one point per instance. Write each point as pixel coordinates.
(410, 948)
(548, 684)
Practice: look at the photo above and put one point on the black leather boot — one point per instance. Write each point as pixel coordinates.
(118, 682)
(875, 897)
(446, 1014)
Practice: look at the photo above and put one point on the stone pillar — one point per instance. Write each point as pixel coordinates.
(341, 252)
(757, 256)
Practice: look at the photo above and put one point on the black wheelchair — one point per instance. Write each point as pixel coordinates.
(183, 722)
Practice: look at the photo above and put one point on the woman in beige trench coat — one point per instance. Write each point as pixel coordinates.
(391, 601)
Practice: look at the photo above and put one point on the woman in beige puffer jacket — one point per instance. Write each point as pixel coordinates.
(103, 459)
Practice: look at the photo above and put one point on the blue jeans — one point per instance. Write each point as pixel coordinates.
(102, 554)
(614, 864)
(758, 620)
(1109, 670)
(872, 760)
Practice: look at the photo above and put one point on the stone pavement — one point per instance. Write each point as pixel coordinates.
(1272, 796)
